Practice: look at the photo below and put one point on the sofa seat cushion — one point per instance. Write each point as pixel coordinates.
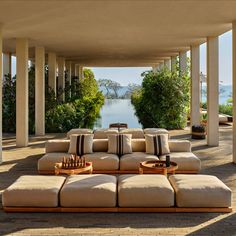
(145, 191)
(48, 161)
(132, 161)
(200, 191)
(89, 191)
(186, 161)
(103, 160)
(33, 191)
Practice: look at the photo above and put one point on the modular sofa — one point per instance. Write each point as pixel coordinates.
(126, 193)
(104, 162)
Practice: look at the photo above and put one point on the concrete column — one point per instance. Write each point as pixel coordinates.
(234, 91)
(183, 63)
(39, 91)
(76, 70)
(6, 64)
(68, 70)
(21, 92)
(161, 65)
(212, 91)
(167, 64)
(155, 68)
(52, 71)
(61, 75)
(195, 85)
(72, 69)
(1, 71)
(81, 74)
(173, 63)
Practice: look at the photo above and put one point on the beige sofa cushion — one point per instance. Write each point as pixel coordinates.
(136, 132)
(48, 161)
(79, 131)
(89, 191)
(119, 144)
(157, 144)
(155, 131)
(132, 161)
(179, 145)
(145, 191)
(33, 191)
(57, 145)
(138, 145)
(100, 145)
(200, 191)
(103, 160)
(186, 161)
(81, 144)
(103, 133)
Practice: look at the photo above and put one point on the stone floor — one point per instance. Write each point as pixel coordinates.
(215, 160)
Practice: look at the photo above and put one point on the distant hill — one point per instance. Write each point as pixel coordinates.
(121, 91)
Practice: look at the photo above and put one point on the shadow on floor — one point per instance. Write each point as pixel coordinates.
(21, 221)
(225, 226)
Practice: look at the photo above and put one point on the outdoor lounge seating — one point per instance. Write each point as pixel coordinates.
(136, 193)
(104, 162)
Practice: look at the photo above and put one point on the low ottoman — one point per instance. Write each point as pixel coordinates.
(96, 190)
(200, 191)
(33, 191)
(145, 191)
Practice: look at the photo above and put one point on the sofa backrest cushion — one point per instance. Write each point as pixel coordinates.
(155, 131)
(101, 145)
(79, 131)
(136, 132)
(103, 133)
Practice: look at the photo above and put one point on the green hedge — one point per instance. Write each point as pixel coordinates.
(81, 110)
(163, 100)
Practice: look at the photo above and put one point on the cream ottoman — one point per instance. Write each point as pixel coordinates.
(145, 191)
(33, 191)
(89, 191)
(200, 191)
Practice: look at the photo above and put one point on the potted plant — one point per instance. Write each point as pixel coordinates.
(198, 131)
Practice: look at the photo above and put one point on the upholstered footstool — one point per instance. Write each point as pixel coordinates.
(145, 191)
(33, 191)
(89, 191)
(200, 191)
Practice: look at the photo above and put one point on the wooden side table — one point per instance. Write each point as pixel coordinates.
(87, 169)
(157, 167)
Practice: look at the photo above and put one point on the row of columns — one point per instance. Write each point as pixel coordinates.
(212, 89)
(212, 85)
(22, 85)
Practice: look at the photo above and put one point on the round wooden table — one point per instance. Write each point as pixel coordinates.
(73, 171)
(157, 167)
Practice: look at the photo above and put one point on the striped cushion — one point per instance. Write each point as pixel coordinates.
(119, 144)
(81, 144)
(157, 144)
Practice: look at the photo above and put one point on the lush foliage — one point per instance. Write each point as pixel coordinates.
(79, 110)
(163, 100)
(226, 109)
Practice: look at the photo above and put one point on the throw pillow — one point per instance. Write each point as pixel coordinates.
(157, 144)
(119, 144)
(81, 144)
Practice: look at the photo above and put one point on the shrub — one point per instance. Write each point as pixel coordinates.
(163, 100)
(81, 110)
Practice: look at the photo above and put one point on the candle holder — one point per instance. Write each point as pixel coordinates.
(167, 160)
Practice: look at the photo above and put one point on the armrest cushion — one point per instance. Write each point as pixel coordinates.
(57, 145)
(180, 145)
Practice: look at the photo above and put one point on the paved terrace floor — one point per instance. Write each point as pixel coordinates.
(215, 160)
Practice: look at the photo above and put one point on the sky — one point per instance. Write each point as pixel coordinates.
(126, 75)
